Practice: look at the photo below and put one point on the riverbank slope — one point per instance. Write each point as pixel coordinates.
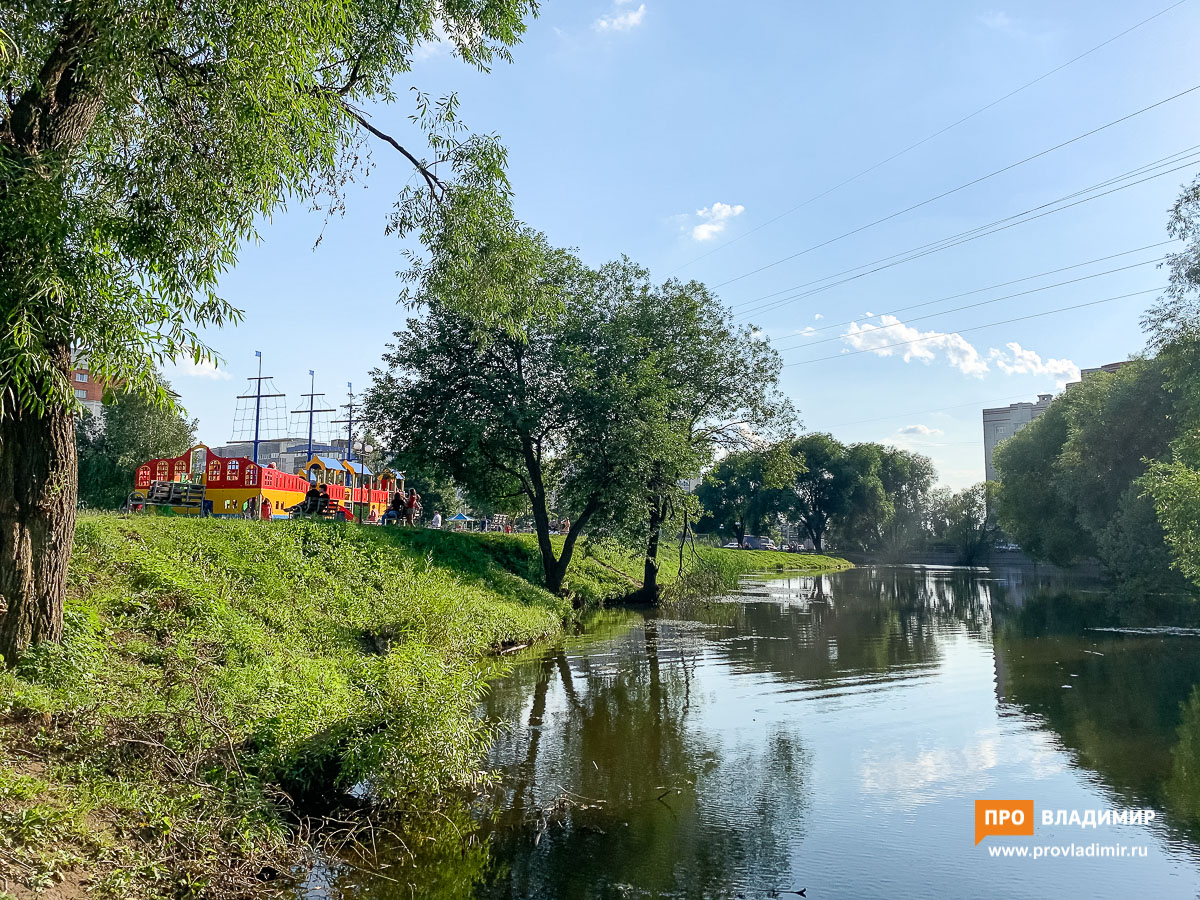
(222, 680)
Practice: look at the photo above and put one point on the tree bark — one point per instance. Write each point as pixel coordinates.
(38, 487)
(558, 571)
(649, 592)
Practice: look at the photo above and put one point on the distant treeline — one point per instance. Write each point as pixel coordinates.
(850, 496)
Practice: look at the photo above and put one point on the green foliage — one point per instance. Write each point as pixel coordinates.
(1071, 481)
(210, 663)
(743, 490)
(837, 490)
(1028, 506)
(142, 141)
(128, 431)
(965, 524)
(1175, 486)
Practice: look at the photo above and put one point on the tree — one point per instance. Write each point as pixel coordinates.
(1029, 507)
(743, 489)
(836, 485)
(907, 481)
(1070, 483)
(968, 526)
(140, 142)
(129, 431)
(709, 386)
(557, 413)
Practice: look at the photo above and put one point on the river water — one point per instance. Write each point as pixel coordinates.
(832, 734)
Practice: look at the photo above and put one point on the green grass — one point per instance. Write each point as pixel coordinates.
(219, 678)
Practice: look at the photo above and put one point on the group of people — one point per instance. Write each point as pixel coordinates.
(406, 506)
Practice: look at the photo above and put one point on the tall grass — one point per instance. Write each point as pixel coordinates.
(219, 680)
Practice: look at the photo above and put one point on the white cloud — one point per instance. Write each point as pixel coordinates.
(1019, 361)
(925, 346)
(621, 21)
(187, 368)
(919, 429)
(996, 20)
(715, 217)
(818, 317)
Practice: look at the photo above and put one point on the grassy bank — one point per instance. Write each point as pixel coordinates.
(220, 680)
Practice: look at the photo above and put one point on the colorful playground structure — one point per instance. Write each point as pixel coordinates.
(198, 482)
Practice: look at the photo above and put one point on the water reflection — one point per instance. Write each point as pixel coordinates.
(832, 732)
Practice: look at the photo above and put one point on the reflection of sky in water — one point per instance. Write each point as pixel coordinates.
(834, 733)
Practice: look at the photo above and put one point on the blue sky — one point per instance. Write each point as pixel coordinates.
(674, 131)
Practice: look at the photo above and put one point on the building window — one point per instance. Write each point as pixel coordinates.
(81, 376)
(232, 470)
(81, 395)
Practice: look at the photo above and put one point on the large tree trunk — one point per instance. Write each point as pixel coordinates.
(38, 489)
(558, 572)
(649, 592)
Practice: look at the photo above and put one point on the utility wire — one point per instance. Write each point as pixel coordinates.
(961, 187)
(925, 140)
(929, 337)
(991, 287)
(804, 345)
(947, 243)
(922, 412)
(1187, 155)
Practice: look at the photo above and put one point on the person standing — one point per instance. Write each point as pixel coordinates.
(412, 505)
(437, 520)
(266, 510)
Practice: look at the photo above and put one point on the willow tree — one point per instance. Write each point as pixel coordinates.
(140, 142)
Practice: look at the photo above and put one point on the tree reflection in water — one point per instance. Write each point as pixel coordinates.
(611, 789)
(629, 768)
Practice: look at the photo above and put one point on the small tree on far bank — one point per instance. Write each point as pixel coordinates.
(707, 386)
(964, 523)
(744, 489)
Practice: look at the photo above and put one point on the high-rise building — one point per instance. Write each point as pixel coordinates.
(1005, 421)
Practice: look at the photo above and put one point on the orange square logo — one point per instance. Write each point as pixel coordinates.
(1003, 817)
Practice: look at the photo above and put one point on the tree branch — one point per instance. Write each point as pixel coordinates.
(436, 188)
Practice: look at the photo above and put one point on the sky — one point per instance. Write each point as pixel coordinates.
(702, 139)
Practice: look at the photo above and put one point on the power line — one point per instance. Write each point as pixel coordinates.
(945, 312)
(961, 187)
(1186, 156)
(923, 412)
(926, 140)
(993, 287)
(928, 337)
(955, 240)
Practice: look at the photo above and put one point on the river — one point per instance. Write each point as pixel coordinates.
(831, 734)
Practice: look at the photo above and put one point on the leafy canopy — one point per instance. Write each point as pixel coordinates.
(142, 141)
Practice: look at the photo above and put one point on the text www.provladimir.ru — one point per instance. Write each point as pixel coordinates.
(1057, 851)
